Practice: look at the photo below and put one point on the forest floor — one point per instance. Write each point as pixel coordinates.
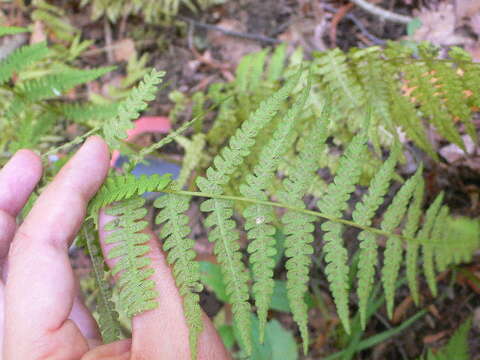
(198, 49)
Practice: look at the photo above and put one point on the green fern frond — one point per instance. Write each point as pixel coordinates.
(137, 291)
(20, 59)
(413, 221)
(88, 114)
(193, 154)
(393, 250)
(223, 234)
(370, 69)
(181, 256)
(469, 71)
(363, 214)
(31, 128)
(457, 347)
(339, 79)
(420, 78)
(54, 85)
(107, 315)
(116, 129)
(333, 204)
(122, 187)
(12, 30)
(424, 235)
(259, 218)
(277, 63)
(298, 227)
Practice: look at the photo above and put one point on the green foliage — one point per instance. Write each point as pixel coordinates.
(401, 213)
(137, 291)
(151, 10)
(181, 255)
(193, 154)
(457, 346)
(298, 227)
(363, 214)
(108, 316)
(116, 129)
(121, 187)
(268, 142)
(20, 59)
(259, 218)
(409, 92)
(31, 104)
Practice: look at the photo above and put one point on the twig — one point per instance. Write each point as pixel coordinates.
(243, 35)
(382, 13)
(108, 40)
(339, 15)
(358, 24)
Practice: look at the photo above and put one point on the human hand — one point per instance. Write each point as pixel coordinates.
(40, 308)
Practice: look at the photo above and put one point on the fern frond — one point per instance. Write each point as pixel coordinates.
(333, 204)
(370, 69)
(20, 59)
(470, 71)
(298, 227)
(54, 85)
(88, 114)
(181, 256)
(12, 30)
(413, 221)
(107, 315)
(450, 87)
(137, 291)
(116, 129)
(425, 234)
(363, 214)
(393, 250)
(277, 63)
(193, 153)
(420, 79)
(259, 218)
(223, 234)
(339, 79)
(121, 187)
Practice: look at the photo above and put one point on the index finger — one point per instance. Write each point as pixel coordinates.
(40, 284)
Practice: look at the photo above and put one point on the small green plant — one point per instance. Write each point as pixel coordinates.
(150, 10)
(404, 224)
(456, 348)
(32, 107)
(244, 187)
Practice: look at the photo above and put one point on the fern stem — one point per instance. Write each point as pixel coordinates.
(293, 208)
(75, 141)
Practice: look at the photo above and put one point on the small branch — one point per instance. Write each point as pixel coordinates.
(359, 24)
(382, 13)
(248, 36)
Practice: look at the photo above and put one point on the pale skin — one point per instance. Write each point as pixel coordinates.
(41, 314)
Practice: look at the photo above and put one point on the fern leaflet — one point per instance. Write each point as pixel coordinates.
(108, 317)
(298, 227)
(181, 256)
(20, 59)
(116, 129)
(393, 250)
(137, 291)
(333, 204)
(223, 234)
(413, 221)
(259, 218)
(363, 214)
(424, 235)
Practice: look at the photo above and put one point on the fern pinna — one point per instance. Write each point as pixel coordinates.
(402, 225)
